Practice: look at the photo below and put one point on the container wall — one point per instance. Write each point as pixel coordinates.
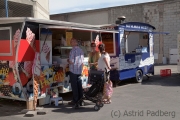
(29, 45)
(10, 86)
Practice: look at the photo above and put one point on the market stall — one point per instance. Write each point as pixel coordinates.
(33, 55)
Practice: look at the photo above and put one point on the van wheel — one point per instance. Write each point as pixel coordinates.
(139, 76)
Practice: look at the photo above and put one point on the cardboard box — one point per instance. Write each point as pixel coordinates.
(44, 101)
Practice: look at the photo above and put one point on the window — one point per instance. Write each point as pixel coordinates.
(134, 40)
(5, 41)
(109, 40)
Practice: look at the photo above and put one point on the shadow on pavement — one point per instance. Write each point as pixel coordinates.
(67, 109)
(11, 107)
(173, 80)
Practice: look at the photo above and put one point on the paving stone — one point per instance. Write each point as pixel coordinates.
(30, 113)
(41, 112)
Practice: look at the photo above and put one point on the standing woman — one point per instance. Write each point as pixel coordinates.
(104, 62)
(93, 57)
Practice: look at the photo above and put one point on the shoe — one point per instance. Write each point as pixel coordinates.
(76, 106)
(71, 103)
(107, 102)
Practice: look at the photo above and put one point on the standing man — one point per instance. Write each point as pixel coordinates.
(75, 61)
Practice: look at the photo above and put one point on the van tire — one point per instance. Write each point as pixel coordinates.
(139, 76)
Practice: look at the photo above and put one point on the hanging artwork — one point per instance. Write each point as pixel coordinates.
(69, 36)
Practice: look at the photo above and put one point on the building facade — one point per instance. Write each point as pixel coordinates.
(25, 8)
(164, 15)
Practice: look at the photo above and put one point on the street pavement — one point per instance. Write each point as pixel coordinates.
(157, 98)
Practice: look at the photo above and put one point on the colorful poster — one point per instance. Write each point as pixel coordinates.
(51, 74)
(29, 45)
(69, 36)
(46, 54)
(10, 86)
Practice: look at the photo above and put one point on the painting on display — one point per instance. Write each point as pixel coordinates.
(10, 86)
(69, 36)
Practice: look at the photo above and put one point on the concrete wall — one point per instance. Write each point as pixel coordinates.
(27, 2)
(90, 17)
(41, 9)
(164, 15)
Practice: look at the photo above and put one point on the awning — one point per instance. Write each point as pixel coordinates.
(160, 33)
(153, 32)
(77, 28)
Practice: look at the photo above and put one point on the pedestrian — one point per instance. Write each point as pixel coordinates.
(93, 60)
(104, 65)
(104, 60)
(75, 61)
(93, 57)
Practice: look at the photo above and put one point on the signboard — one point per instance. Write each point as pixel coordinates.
(69, 36)
(137, 27)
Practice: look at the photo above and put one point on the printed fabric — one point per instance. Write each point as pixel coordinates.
(76, 56)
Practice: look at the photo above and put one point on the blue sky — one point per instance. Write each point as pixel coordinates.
(64, 6)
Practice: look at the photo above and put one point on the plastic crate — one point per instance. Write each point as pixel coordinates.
(168, 72)
(165, 72)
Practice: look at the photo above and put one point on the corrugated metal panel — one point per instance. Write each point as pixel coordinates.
(15, 9)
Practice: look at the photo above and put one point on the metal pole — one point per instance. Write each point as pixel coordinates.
(6, 2)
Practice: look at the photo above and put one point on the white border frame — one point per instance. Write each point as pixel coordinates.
(10, 32)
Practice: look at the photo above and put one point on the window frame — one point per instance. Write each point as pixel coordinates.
(10, 32)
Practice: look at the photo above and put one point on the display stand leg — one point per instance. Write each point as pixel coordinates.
(30, 105)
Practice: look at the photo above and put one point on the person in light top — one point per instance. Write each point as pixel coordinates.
(104, 65)
(104, 60)
(76, 58)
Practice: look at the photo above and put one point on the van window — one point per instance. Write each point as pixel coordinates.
(5, 41)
